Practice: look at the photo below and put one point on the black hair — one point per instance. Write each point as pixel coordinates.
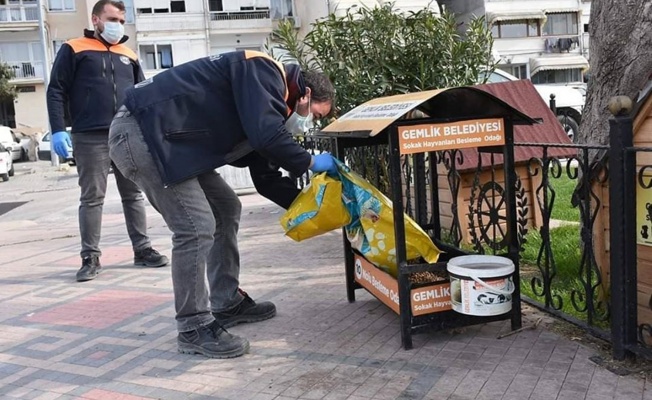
(321, 88)
(98, 8)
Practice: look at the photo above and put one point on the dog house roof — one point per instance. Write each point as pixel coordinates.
(467, 102)
(516, 100)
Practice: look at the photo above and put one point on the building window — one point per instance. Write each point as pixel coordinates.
(156, 56)
(161, 6)
(518, 70)
(11, 10)
(26, 89)
(516, 29)
(215, 5)
(280, 9)
(61, 5)
(561, 24)
(178, 6)
(558, 76)
(129, 11)
(56, 46)
(24, 58)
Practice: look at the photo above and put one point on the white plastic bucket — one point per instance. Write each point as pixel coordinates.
(481, 285)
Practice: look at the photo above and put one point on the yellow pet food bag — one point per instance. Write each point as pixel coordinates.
(318, 209)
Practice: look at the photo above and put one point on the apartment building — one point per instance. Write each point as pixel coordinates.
(543, 40)
(163, 33)
(21, 47)
(173, 32)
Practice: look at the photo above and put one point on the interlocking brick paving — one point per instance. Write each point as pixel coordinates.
(111, 255)
(100, 310)
(115, 337)
(98, 394)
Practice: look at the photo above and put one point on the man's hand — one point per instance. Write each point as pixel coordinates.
(323, 163)
(61, 143)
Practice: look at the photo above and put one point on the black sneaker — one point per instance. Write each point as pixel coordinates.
(90, 268)
(212, 341)
(150, 258)
(247, 311)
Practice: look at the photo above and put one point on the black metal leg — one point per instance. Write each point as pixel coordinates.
(349, 265)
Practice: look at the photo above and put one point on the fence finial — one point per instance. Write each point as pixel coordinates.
(620, 105)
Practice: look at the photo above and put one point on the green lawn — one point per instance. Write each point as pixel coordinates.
(562, 208)
(566, 249)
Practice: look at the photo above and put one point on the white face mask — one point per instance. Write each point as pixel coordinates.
(298, 124)
(113, 32)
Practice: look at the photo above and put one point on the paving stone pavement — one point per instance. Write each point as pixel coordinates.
(114, 337)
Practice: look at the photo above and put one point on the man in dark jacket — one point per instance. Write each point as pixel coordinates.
(174, 131)
(90, 75)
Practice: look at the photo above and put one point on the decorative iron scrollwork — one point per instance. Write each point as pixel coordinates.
(451, 159)
(589, 298)
(522, 210)
(545, 195)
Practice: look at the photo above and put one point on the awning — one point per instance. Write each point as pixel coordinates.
(562, 10)
(561, 62)
(496, 16)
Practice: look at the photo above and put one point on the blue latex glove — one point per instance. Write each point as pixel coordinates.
(61, 143)
(324, 163)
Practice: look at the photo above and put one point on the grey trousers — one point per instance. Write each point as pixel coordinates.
(203, 214)
(91, 151)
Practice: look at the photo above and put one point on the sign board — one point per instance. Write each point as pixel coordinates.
(451, 135)
(644, 213)
(424, 300)
(375, 115)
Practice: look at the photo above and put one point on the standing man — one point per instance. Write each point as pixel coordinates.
(90, 76)
(174, 131)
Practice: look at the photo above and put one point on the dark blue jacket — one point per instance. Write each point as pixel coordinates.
(90, 77)
(194, 114)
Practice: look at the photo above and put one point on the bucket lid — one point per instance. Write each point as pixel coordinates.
(480, 265)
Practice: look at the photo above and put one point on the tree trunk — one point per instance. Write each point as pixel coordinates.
(621, 60)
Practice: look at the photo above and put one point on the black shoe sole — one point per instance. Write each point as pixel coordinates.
(141, 263)
(245, 319)
(188, 348)
(87, 277)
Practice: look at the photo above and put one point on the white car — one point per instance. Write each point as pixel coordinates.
(569, 100)
(6, 163)
(44, 149)
(10, 142)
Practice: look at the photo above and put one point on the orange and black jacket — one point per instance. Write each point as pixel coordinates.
(90, 77)
(193, 116)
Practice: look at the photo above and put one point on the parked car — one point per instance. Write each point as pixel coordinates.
(44, 149)
(11, 142)
(6, 163)
(569, 100)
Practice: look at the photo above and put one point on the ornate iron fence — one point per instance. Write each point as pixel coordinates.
(604, 180)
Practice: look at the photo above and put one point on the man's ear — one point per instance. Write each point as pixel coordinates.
(308, 92)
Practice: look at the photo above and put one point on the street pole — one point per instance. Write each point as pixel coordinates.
(54, 158)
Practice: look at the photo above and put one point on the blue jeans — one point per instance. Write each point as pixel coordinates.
(203, 214)
(91, 151)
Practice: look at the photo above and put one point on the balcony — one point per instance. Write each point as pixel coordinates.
(170, 23)
(18, 17)
(26, 70)
(250, 20)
